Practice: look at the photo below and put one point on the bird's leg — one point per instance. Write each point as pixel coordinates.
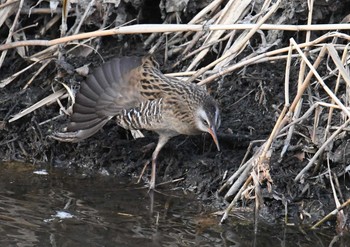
(143, 171)
(146, 149)
(161, 142)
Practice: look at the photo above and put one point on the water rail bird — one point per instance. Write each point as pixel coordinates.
(140, 96)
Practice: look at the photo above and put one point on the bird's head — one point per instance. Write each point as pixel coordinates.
(207, 118)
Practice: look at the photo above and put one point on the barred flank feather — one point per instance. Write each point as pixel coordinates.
(143, 117)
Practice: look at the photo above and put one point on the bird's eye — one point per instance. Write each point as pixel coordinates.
(206, 124)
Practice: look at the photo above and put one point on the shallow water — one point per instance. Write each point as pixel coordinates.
(55, 209)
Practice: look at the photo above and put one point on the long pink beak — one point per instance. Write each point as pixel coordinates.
(215, 138)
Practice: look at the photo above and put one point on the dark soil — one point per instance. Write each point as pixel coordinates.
(250, 102)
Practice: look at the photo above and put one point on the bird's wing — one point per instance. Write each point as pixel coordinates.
(109, 89)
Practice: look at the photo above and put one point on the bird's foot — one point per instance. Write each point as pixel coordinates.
(143, 171)
(152, 183)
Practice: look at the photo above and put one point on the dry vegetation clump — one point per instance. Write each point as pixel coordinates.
(211, 39)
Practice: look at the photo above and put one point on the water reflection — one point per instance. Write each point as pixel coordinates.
(61, 210)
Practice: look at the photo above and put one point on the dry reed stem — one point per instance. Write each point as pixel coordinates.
(160, 28)
(229, 15)
(51, 98)
(261, 60)
(239, 46)
(328, 216)
(235, 200)
(333, 53)
(240, 170)
(281, 121)
(243, 63)
(294, 109)
(296, 112)
(201, 18)
(336, 60)
(242, 173)
(194, 52)
(307, 80)
(9, 79)
(286, 94)
(11, 31)
(257, 192)
(341, 216)
(212, 6)
(284, 119)
(308, 113)
(49, 24)
(10, 2)
(320, 150)
(44, 54)
(337, 85)
(7, 9)
(86, 12)
(43, 66)
(240, 178)
(234, 176)
(21, 51)
(242, 41)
